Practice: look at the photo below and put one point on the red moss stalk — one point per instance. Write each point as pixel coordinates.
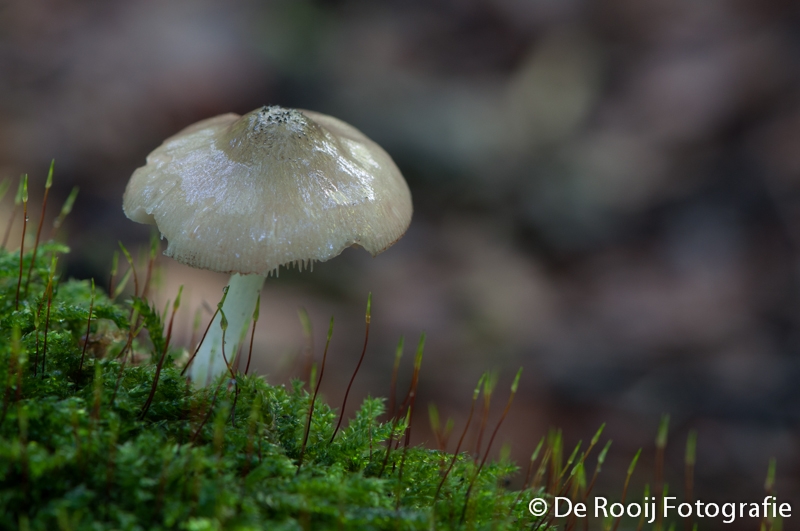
(514, 387)
(358, 366)
(24, 228)
(88, 329)
(213, 316)
(49, 304)
(253, 335)
(631, 468)
(13, 215)
(314, 397)
(47, 185)
(152, 394)
(150, 265)
(689, 462)
(475, 394)
(393, 387)
(488, 389)
(66, 208)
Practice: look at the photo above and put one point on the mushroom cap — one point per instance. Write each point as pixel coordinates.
(273, 187)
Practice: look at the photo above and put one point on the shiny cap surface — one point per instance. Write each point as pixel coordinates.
(275, 186)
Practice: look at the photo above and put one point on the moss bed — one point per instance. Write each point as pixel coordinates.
(81, 449)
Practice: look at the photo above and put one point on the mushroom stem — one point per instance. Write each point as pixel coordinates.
(243, 291)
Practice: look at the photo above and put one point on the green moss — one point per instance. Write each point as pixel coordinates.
(77, 452)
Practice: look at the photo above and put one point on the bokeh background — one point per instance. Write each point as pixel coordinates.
(606, 193)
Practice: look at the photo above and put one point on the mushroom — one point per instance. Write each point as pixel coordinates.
(248, 194)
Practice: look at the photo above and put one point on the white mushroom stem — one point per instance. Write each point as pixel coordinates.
(243, 291)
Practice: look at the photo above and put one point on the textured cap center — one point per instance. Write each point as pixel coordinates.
(290, 119)
(269, 134)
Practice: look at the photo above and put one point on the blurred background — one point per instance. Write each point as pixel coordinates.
(606, 193)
